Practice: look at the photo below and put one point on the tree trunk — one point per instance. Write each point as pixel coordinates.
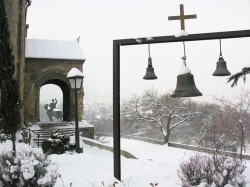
(166, 138)
(242, 142)
(13, 139)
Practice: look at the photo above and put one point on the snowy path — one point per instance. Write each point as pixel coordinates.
(156, 164)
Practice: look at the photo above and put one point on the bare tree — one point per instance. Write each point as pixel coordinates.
(237, 111)
(164, 112)
(210, 129)
(200, 133)
(100, 129)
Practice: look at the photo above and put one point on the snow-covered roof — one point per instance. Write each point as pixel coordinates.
(53, 49)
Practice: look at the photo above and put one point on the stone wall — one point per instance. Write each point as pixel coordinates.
(149, 140)
(87, 132)
(179, 145)
(108, 148)
(207, 150)
(16, 11)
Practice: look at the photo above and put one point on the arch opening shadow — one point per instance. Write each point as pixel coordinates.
(65, 96)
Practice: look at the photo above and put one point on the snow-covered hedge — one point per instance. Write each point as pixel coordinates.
(58, 144)
(204, 170)
(29, 168)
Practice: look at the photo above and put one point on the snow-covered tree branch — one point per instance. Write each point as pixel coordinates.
(161, 110)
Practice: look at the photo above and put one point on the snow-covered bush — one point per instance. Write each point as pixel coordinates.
(3, 137)
(203, 170)
(57, 144)
(29, 168)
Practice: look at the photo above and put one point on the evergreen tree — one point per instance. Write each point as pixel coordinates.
(9, 87)
(7, 67)
(237, 76)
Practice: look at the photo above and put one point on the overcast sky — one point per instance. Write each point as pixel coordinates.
(99, 22)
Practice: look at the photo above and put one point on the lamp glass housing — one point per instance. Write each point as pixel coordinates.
(75, 82)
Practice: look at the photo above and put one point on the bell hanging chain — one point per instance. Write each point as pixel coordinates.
(184, 57)
(220, 50)
(148, 50)
(149, 58)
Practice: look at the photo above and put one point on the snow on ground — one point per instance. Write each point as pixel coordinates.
(156, 164)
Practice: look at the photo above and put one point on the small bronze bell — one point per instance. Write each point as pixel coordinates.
(221, 68)
(186, 86)
(150, 74)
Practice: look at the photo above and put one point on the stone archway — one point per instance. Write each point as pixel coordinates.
(62, 82)
(39, 72)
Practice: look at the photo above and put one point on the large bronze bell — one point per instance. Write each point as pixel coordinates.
(221, 68)
(150, 74)
(186, 87)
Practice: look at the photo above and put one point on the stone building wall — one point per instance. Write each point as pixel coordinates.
(16, 11)
(33, 73)
(39, 72)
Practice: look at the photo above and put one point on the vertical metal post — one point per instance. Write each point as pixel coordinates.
(116, 110)
(76, 123)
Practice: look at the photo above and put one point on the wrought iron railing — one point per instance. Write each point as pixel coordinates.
(34, 139)
(31, 137)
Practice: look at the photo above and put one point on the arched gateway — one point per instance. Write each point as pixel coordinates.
(48, 62)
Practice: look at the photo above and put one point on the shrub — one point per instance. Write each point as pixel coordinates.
(29, 168)
(57, 144)
(3, 137)
(211, 171)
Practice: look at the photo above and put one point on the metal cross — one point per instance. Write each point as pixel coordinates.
(182, 17)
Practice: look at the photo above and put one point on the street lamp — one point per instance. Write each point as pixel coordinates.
(75, 78)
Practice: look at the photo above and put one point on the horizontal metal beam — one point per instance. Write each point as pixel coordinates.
(191, 37)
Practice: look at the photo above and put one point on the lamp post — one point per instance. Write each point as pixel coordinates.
(75, 78)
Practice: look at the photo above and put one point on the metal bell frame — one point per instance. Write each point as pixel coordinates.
(185, 83)
(221, 66)
(150, 74)
(117, 44)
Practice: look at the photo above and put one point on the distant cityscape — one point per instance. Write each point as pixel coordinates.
(96, 110)
(99, 114)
